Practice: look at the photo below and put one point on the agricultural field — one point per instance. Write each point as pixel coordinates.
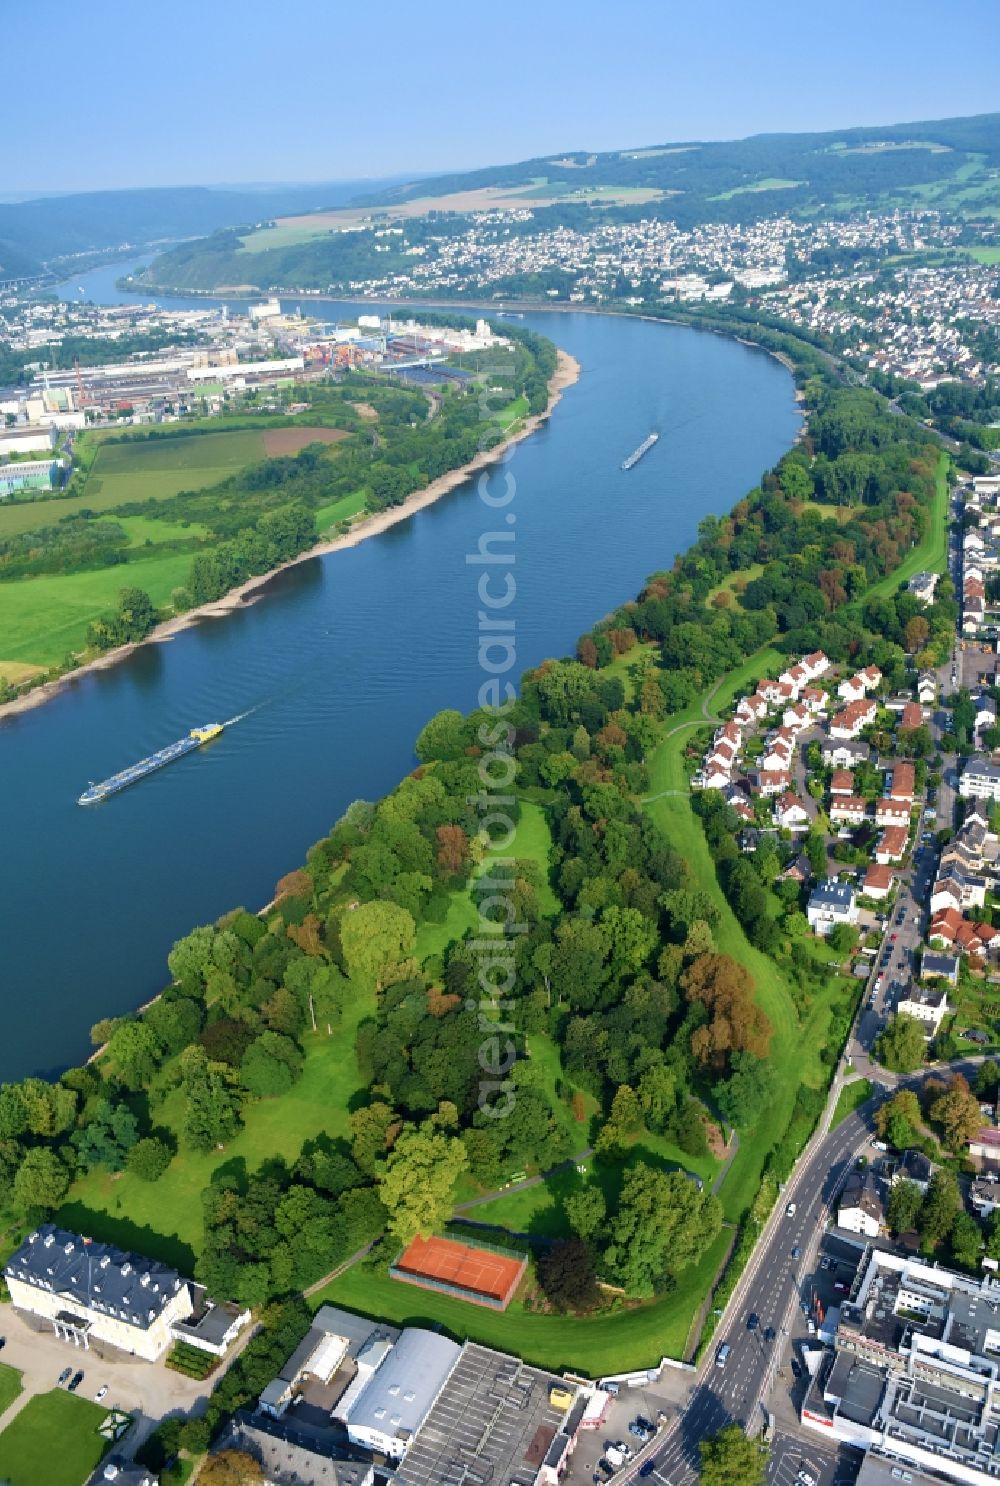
(150, 470)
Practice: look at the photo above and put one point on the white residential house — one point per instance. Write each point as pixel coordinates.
(817, 664)
(980, 780)
(715, 777)
(790, 814)
(831, 903)
(855, 716)
(927, 688)
(930, 1007)
(848, 810)
(852, 689)
(860, 1207)
(798, 717)
(843, 753)
(773, 781)
(892, 813)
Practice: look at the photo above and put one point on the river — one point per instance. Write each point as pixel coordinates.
(344, 660)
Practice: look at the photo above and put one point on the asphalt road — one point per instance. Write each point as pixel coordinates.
(772, 1288)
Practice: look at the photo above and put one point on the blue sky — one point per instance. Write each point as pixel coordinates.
(109, 93)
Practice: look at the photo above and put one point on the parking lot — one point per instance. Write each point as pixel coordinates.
(658, 1403)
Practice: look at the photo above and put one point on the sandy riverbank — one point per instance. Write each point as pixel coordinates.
(566, 373)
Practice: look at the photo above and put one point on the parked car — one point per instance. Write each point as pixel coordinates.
(101, 1393)
(796, 1367)
(805, 1479)
(64, 1376)
(642, 1429)
(75, 1381)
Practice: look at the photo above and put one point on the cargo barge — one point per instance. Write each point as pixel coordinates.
(194, 739)
(637, 454)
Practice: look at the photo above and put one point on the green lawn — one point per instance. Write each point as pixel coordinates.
(985, 255)
(795, 1043)
(340, 510)
(532, 841)
(53, 1441)
(850, 1098)
(163, 1218)
(151, 470)
(932, 551)
(768, 183)
(43, 619)
(613, 1342)
(10, 1386)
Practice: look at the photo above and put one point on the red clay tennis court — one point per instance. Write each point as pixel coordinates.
(466, 1271)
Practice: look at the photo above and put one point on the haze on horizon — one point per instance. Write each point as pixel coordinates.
(311, 92)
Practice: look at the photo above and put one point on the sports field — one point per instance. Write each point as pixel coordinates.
(484, 1277)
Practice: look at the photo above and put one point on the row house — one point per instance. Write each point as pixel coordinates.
(725, 754)
(854, 688)
(775, 693)
(796, 677)
(949, 930)
(750, 710)
(855, 717)
(816, 664)
(927, 688)
(778, 753)
(713, 776)
(798, 717)
(848, 810)
(730, 732)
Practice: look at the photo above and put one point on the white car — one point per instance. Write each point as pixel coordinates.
(805, 1479)
(790, 1210)
(101, 1393)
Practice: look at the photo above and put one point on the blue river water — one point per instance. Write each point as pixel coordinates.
(343, 661)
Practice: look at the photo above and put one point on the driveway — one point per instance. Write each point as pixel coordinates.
(147, 1390)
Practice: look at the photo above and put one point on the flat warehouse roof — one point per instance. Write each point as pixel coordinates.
(493, 1416)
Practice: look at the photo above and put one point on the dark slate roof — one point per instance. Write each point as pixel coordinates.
(96, 1276)
(832, 894)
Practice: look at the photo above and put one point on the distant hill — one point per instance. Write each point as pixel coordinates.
(950, 164)
(953, 160)
(32, 233)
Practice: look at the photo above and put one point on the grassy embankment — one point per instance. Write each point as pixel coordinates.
(54, 1440)
(850, 1098)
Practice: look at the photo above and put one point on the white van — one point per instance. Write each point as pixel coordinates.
(722, 1354)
